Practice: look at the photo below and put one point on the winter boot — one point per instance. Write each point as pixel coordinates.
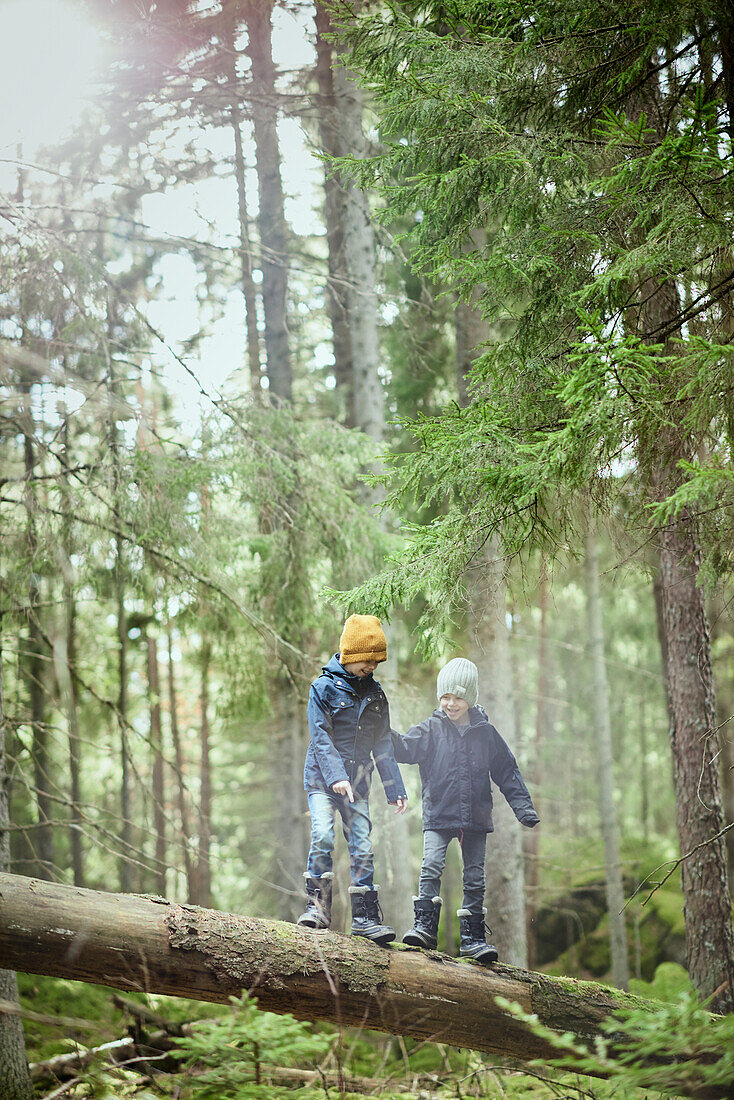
(473, 944)
(367, 917)
(318, 910)
(424, 932)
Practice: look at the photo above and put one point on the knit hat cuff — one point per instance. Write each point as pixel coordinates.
(363, 639)
(355, 658)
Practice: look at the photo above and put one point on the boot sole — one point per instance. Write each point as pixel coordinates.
(383, 940)
(481, 956)
(313, 927)
(414, 940)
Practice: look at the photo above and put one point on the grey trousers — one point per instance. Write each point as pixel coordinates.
(473, 846)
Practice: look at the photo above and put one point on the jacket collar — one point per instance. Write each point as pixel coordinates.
(477, 717)
(358, 684)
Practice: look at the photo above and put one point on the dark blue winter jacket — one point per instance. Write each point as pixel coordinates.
(349, 724)
(455, 770)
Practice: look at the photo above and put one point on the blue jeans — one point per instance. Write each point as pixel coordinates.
(473, 846)
(356, 826)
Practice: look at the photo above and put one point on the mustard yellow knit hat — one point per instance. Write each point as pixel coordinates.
(363, 639)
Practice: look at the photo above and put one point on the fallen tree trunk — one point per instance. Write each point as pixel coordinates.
(149, 944)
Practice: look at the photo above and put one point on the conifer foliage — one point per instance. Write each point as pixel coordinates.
(593, 144)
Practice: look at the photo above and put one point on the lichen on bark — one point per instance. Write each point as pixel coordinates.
(244, 952)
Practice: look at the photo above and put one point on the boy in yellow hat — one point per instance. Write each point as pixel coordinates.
(349, 727)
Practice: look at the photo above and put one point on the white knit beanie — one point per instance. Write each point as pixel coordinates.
(459, 677)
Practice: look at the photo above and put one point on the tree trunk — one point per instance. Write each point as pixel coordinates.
(691, 708)
(179, 763)
(35, 669)
(531, 845)
(686, 645)
(203, 863)
(695, 747)
(727, 766)
(368, 403)
(156, 747)
(286, 817)
(132, 942)
(64, 656)
(122, 646)
(271, 216)
(249, 292)
(35, 660)
(15, 1082)
(334, 203)
(605, 766)
(722, 644)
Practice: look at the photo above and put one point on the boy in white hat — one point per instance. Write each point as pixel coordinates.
(459, 752)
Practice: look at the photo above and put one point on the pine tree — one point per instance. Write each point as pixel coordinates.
(603, 181)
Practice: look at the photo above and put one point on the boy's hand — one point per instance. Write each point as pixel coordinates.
(400, 805)
(344, 787)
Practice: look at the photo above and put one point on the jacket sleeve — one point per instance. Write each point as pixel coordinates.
(384, 755)
(506, 774)
(412, 747)
(319, 728)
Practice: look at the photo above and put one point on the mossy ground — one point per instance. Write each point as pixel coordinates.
(654, 916)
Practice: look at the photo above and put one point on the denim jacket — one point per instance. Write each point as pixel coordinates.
(349, 725)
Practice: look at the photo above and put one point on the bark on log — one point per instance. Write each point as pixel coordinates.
(149, 944)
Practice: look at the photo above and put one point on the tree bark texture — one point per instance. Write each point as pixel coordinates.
(542, 726)
(359, 256)
(605, 766)
(126, 851)
(334, 197)
(156, 747)
(662, 443)
(695, 749)
(286, 817)
(247, 284)
(183, 810)
(271, 216)
(35, 661)
(691, 706)
(15, 1082)
(132, 942)
(64, 657)
(203, 862)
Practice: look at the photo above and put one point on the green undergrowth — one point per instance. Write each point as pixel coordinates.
(61, 1014)
(653, 911)
(237, 1052)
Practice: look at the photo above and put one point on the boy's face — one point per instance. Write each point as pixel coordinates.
(454, 707)
(360, 668)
